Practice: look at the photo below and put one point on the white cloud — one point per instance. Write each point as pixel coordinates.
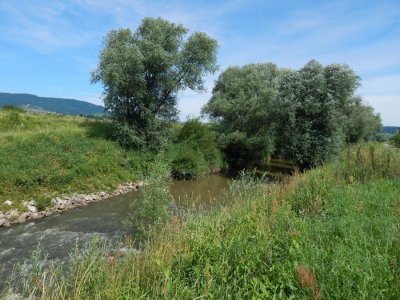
(40, 26)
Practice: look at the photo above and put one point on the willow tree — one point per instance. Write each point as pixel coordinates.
(143, 71)
(309, 112)
(240, 106)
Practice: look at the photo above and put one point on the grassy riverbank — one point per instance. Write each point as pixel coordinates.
(43, 156)
(332, 232)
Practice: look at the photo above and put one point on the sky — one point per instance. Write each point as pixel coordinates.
(49, 48)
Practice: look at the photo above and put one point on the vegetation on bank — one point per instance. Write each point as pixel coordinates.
(43, 156)
(304, 116)
(396, 139)
(332, 232)
(259, 110)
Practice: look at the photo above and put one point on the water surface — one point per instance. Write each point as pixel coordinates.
(59, 234)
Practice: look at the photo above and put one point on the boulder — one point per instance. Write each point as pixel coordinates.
(32, 208)
(12, 214)
(24, 217)
(8, 203)
(36, 216)
(31, 202)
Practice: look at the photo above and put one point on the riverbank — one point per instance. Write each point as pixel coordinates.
(62, 204)
(45, 156)
(331, 232)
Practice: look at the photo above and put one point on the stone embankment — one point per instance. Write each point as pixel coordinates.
(60, 204)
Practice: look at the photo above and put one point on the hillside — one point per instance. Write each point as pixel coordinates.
(390, 129)
(56, 105)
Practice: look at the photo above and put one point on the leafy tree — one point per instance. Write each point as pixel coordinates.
(396, 139)
(361, 122)
(143, 71)
(239, 106)
(301, 115)
(308, 112)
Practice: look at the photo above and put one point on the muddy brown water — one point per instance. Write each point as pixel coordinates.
(58, 235)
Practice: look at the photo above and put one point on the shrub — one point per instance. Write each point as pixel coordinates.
(154, 137)
(150, 211)
(396, 140)
(188, 163)
(196, 152)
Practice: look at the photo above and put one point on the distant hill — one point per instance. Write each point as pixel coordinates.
(56, 105)
(390, 129)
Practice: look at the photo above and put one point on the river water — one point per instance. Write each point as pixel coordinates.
(58, 235)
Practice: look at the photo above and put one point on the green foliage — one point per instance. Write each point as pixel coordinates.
(11, 107)
(196, 152)
(382, 137)
(11, 119)
(150, 211)
(361, 122)
(240, 105)
(143, 72)
(188, 162)
(42, 202)
(307, 113)
(396, 140)
(368, 162)
(304, 116)
(316, 235)
(43, 156)
(154, 137)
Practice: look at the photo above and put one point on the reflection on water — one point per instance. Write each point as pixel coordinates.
(59, 234)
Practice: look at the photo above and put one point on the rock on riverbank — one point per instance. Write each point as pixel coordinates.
(60, 204)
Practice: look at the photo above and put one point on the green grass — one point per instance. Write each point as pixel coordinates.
(42, 156)
(332, 232)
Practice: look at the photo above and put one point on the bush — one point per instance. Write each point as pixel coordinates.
(188, 163)
(196, 152)
(396, 140)
(154, 137)
(150, 211)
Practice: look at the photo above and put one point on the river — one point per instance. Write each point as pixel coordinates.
(59, 234)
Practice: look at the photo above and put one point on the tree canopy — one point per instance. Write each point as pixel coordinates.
(143, 71)
(308, 111)
(240, 104)
(301, 115)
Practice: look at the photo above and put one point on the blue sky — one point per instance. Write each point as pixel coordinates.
(48, 48)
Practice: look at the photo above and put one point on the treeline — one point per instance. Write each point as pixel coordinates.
(258, 110)
(303, 116)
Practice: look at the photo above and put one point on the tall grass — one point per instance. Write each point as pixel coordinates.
(322, 234)
(42, 156)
